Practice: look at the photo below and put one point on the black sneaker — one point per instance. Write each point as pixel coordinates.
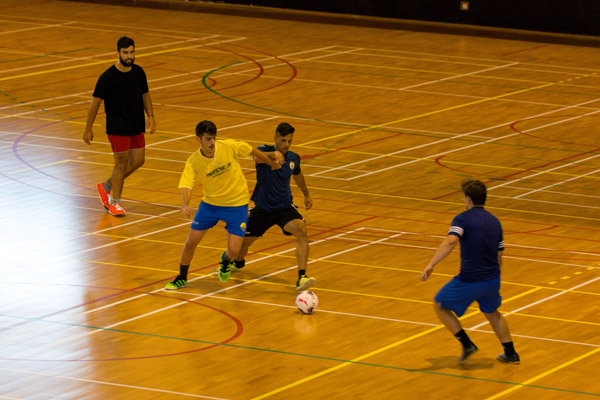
(467, 352)
(237, 265)
(514, 359)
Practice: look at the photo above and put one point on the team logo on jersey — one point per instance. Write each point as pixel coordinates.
(292, 165)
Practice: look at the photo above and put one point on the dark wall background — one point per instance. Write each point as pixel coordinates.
(559, 16)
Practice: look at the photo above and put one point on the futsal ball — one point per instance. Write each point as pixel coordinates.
(307, 302)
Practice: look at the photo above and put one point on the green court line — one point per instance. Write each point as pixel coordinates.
(288, 353)
(366, 128)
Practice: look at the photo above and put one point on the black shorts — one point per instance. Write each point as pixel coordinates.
(259, 220)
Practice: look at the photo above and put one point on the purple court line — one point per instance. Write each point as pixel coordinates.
(238, 323)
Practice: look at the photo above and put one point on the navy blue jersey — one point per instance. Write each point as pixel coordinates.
(481, 239)
(123, 95)
(272, 190)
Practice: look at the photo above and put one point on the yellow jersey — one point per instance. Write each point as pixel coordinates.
(221, 176)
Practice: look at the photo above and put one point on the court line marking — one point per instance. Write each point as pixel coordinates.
(370, 354)
(177, 304)
(544, 374)
(395, 344)
(491, 140)
(287, 353)
(159, 52)
(448, 61)
(367, 316)
(20, 371)
(561, 182)
(432, 112)
(448, 56)
(314, 188)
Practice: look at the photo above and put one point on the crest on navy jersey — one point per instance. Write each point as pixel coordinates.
(292, 165)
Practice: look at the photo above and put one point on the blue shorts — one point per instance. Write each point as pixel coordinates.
(235, 218)
(458, 296)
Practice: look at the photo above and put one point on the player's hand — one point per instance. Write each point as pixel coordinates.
(427, 272)
(151, 124)
(187, 211)
(307, 202)
(88, 136)
(279, 159)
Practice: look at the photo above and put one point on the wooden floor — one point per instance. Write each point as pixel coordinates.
(388, 123)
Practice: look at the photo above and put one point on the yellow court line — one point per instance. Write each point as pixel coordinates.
(466, 74)
(544, 374)
(454, 203)
(432, 112)
(557, 319)
(374, 352)
(333, 262)
(49, 71)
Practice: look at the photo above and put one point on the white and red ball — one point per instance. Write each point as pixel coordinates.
(307, 302)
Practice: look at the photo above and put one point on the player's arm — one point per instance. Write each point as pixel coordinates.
(88, 134)
(265, 158)
(299, 179)
(186, 196)
(150, 123)
(500, 258)
(442, 252)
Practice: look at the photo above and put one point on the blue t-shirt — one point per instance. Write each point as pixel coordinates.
(480, 235)
(272, 190)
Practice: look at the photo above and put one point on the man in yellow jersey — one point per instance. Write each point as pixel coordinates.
(216, 165)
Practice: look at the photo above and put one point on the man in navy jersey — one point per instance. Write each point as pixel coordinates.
(273, 203)
(481, 247)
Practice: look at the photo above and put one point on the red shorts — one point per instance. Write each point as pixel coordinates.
(125, 143)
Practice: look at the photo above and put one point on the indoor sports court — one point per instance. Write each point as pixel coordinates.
(389, 122)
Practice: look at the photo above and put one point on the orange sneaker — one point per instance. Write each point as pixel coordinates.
(116, 210)
(103, 194)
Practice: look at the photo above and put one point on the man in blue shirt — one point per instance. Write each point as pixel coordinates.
(481, 248)
(273, 203)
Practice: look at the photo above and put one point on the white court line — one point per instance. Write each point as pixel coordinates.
(439, 60)
(561, 182)
(457, 76)
(220, 129)
(36, 28)
(72, 338)
(554, 192)
(545, 201)
(472, 58)
(504, 256)
(20, 371)
(540, 301)
(460, 148)
(112, 54)
(387, 88)
(403, 321)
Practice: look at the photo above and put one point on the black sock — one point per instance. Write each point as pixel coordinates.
(301, 272)
(509, 348)
(225, 258)
(464, 338)
(239, 264)
(183, 271)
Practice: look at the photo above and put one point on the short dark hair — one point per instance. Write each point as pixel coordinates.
(124, 42)
(476, 190)
(284, 129)
(206, 127)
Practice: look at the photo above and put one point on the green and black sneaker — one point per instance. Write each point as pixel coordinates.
(177, 283)
(224, 270)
